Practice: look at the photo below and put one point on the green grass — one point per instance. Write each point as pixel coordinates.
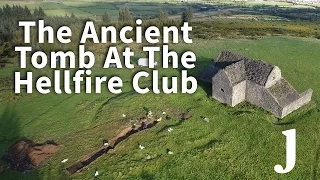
(92, 9)
(280, 4)
(62, 12)
(237, 143)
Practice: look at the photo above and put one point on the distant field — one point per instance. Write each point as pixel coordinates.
(281, 4)
(236, 143)
(92, 9)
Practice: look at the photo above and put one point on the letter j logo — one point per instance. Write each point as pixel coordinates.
(290, 153)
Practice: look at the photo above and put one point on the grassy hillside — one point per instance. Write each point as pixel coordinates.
(236, 143)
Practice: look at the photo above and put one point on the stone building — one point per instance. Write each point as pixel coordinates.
(236, 79)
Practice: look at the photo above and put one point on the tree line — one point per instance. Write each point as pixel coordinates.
(125, 15)
(10, 15)
(11, 34)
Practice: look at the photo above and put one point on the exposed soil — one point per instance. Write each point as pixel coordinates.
(183, 115)
(26, 155)
(145, 123)
(124, 134)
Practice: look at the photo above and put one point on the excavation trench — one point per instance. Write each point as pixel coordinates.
(145, 123)
(124, 134)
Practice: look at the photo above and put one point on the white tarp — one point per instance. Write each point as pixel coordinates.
(143, 62)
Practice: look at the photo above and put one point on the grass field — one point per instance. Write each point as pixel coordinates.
(141, 8)
(236, 143)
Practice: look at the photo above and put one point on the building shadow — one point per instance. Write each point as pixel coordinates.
(201, 64)
(10, 133)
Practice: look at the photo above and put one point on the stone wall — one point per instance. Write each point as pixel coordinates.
(304, 99)
(236, 79)
(260, 96)
(274, 77)
(239, 93)
(221, 88)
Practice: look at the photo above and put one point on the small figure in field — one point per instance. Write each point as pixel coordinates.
(204, 118)
(169, 151)
(148, 157)
(143, 124)
(105, 142)
(149, 115)
(159, 119)
(141, 147)
(96, 173)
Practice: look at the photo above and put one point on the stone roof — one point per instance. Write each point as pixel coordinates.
(258, 71)
(226, 58)
(236, 72)
(240, 68)
(284, 92)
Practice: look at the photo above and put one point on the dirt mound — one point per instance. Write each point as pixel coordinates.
(26, 155)
(183, 115)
